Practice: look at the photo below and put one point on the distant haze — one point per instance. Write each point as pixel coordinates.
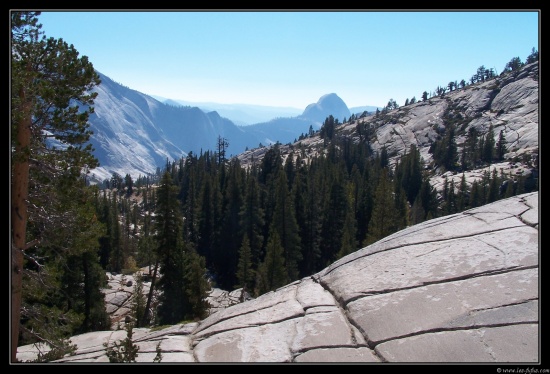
(240, 114)
(247, 114)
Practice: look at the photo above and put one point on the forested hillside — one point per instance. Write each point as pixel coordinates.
(206, 220)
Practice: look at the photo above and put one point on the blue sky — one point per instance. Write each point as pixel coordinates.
(292, 58)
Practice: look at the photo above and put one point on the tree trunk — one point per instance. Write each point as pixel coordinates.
(150, 297)
(19, 195)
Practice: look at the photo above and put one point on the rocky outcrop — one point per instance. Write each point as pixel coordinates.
(459, 288)
(510, 103)
(121, 289)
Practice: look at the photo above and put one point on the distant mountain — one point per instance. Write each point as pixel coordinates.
(358, 110)
(239, 114)
(126, 135)
(136, 134)
(285, 130)
(329, 104)
(282, 130)
(193, 130)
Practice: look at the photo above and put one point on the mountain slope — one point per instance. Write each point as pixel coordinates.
(509, 103)
(135, 133)
(126, 137)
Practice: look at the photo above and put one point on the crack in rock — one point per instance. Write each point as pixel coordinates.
(441, 281)
(445, 329)
(404, 245)
(342, 307)
(271, 322)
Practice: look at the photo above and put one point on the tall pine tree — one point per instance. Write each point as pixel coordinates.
(245, 272)
(251, 218)
(284, 223)
(168, 224)
(272, 272)
(384, 214)
(50, 99)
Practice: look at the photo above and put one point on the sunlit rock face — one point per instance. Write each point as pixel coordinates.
(508, 103)
(460, 288)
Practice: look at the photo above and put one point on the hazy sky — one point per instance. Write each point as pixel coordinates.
(293, 58)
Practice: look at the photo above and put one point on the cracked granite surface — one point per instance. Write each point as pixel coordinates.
(460, 288)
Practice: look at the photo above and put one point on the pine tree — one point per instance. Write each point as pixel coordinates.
(445, 196)
(493, 193)
(334, 215)
(501, 146)
(485, 185)
(429, 198)
(146, 251)
(480, 149)
(366, 186)
(445, 151)
(384, 157)
(489, 145)
(196, 285)
(284, 222)
(349, 241)
(189, 195)
(520, 187)
(222, 145)
(251, 218)
(272, 273)
(462, 194)
(451, 199)
(309, 218)
(514, 64)
(509, 188)
(138, 300)
(471, 148)
(402, 210)
(123, 350)
(289, 169)
(327, 129)
(245, 272)
(48, 82)
(270, 165)
(105, 243)
(116, 259)
(168, 224)
(533, 56)
(63, 277)
(384, 214)
(463, 158)
(417, 211)
(226, 254)
(207, 222)
(412, 177)
(475, 195)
